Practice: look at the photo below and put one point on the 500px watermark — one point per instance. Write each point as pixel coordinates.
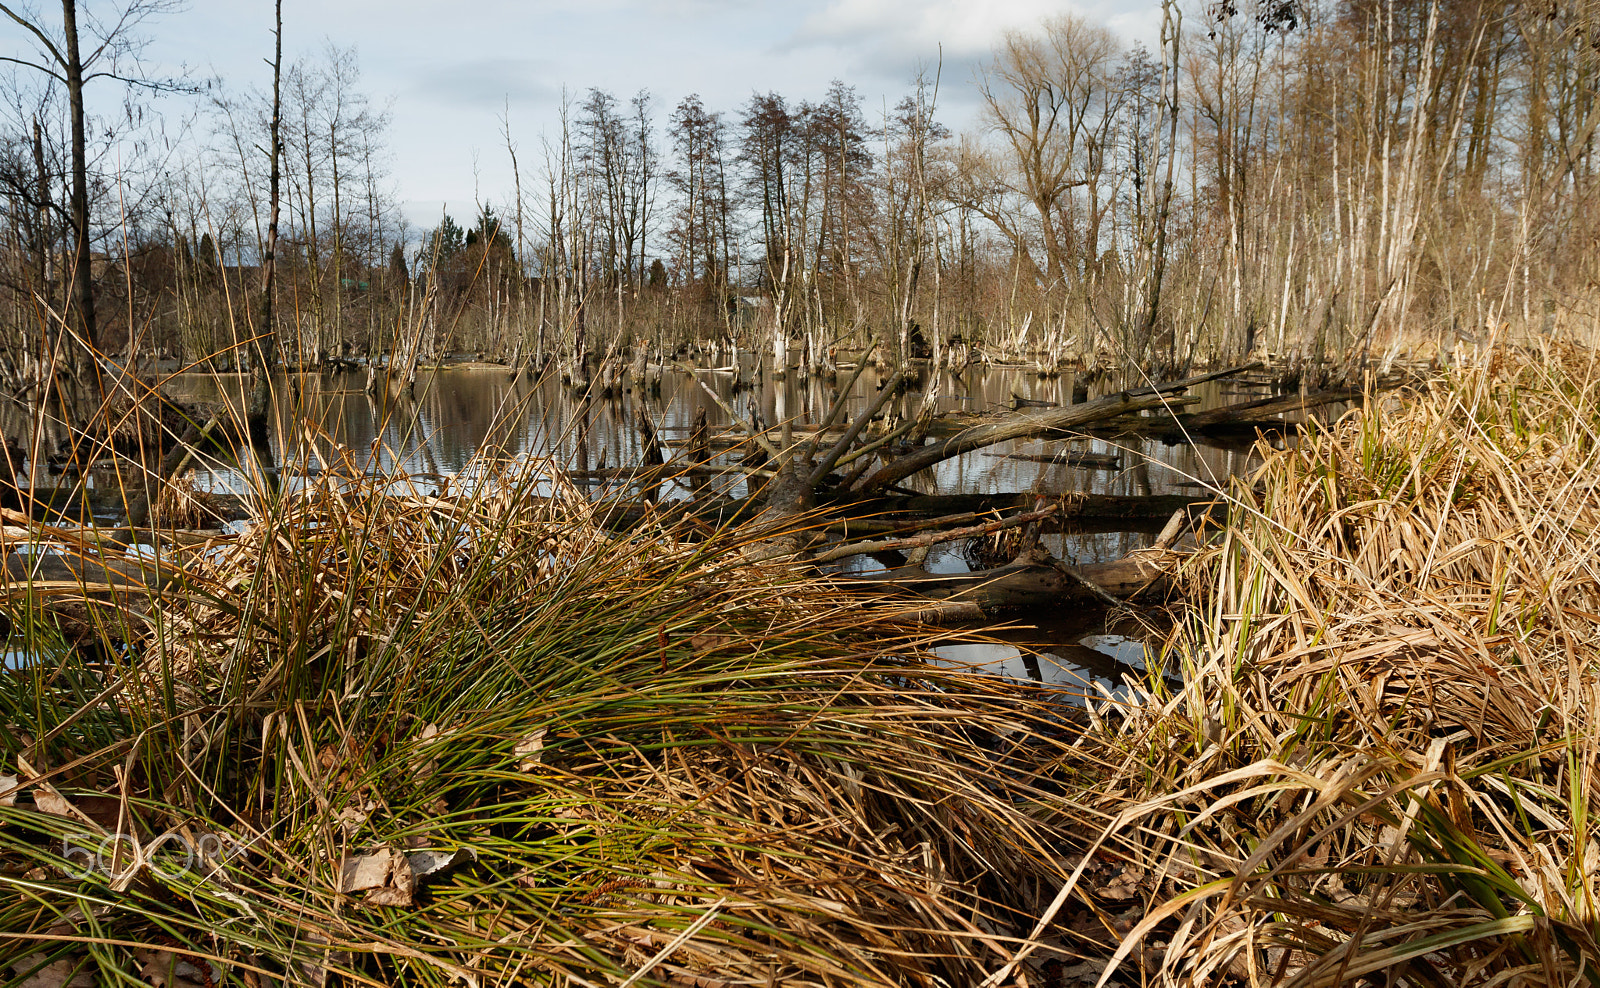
(119, 855)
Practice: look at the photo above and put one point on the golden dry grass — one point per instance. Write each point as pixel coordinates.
(1382, 760)
(479, 739)
(641, 762)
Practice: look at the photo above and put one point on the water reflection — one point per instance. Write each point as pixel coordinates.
(464, 413)
(1095, 667)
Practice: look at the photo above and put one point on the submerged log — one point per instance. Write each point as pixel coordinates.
(1033, 580)
(1070, 457)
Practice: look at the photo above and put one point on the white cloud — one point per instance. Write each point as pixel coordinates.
(921, 26)
(962, 27)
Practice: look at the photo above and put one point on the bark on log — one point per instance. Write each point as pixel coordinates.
(1023, 425)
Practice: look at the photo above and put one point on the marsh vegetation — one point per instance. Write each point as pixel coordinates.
(642, 665)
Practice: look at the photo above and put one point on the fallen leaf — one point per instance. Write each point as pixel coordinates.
(350, 819)
(165, 969)
(7, 783)
(426, 864)
(385, 875)
(56, 975)
(390, 896)
(423, 766)
(705, 642)
(47, 800)
(530, 750)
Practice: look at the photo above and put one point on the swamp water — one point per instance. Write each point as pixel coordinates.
(461, 416)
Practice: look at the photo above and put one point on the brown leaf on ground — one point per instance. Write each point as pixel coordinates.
(530, 751)
(166, 969)
(58, 974)
(427, 864)
(707, 642)
(385, 875)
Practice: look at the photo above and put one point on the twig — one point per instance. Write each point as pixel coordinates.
(706, 919)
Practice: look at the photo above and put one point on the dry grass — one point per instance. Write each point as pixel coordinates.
(482, 740)
(180, 504)
(1382, 762)
(478, 739)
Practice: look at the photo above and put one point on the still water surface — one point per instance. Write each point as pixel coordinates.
(459, 414)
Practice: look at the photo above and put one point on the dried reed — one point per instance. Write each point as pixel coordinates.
(1382, 760)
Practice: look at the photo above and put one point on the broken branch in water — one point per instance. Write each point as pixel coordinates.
(1033, 579)
(1022, 425)
(838, 552)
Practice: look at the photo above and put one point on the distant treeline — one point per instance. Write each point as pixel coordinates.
(1303, 177)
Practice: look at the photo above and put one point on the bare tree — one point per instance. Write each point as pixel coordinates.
(1049, 98)
(701, 231)
(265, 346)
(1155, 230)
(113, 50)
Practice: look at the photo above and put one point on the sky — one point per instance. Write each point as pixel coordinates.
(452, 72)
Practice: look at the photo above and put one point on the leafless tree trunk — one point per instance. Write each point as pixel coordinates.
(265, 341)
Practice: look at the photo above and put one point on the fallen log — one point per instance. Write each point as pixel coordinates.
(1077, 506)
(113, 540)
(1018, 403)
(1235, 415)
(1024, 425)
(1240, 417)
(1033, 580)
(1070, 457)
(656, 473)
(87, 573)
(78, 503)
(930, 538)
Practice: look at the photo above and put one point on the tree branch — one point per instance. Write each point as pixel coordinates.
(32, 29)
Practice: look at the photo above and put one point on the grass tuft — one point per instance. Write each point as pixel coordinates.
(1382, 758)
(396, 738)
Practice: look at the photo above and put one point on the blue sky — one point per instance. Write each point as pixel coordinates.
(450, 70)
